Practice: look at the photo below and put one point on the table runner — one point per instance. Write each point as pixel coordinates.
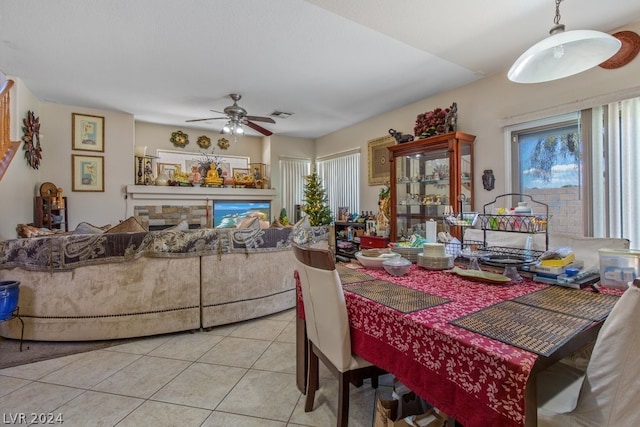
(525, 326)
(398, 297)
(588, 305)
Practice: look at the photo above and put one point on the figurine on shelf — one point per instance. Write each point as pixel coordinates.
(451, 120)
(195, 178)
(400, 137)
(213, 178)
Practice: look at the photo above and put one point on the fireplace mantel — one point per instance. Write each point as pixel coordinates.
(169, 193)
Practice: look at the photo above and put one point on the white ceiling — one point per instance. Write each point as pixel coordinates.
(331, 63)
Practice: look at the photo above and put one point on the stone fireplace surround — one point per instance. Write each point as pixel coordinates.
(158, 207)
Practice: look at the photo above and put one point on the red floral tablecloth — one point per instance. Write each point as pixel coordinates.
(479, 380)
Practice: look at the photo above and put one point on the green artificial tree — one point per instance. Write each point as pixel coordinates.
(315, 201)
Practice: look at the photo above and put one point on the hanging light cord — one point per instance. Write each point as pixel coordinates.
(556, 20)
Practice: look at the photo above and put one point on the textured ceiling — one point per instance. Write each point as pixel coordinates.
(331, 63)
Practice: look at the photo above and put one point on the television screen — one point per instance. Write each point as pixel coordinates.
(230, 213)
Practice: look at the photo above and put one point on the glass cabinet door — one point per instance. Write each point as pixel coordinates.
(429, 177)
(423, 190)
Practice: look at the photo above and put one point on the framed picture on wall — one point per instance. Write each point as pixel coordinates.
(87, 132)
(379, 165)
(87, 173)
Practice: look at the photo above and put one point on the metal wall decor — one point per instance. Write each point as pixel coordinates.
(179, 139)
(31, 138)
(223, 143)
(204, 142)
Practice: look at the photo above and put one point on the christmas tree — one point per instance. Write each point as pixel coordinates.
(315, 201)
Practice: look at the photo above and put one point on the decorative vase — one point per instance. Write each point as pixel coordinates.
(163, 178)
(9, 292)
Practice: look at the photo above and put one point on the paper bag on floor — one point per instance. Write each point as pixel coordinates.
(386, 412)
(429, 419)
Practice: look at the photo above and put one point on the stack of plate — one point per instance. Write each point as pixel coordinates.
(434, 257)
(435, 262)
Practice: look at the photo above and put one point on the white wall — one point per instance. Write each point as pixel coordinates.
(20, 181)
(483, 107)
(98, 208)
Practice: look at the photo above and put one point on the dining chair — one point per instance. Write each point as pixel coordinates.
(608, 393)
(327, 323)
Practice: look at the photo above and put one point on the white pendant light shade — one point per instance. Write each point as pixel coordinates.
(563, 54)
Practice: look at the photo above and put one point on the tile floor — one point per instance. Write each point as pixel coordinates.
(234, 375)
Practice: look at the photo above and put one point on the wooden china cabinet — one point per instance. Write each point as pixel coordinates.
(428, 177)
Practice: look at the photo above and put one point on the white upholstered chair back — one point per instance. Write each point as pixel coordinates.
(324, 306)
(610, 391)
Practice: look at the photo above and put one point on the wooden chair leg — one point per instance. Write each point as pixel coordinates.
(312, 378)
(343, 400)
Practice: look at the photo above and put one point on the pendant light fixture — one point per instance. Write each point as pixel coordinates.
(563, 54)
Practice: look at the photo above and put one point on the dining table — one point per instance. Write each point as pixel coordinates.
(468, 343)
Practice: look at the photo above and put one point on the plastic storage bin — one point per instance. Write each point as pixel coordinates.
(9, 292)
(618, 267)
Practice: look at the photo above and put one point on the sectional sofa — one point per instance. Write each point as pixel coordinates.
(81, 287)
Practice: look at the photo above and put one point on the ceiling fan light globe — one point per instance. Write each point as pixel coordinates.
(239, 130)
(581, 50)
(226, 129)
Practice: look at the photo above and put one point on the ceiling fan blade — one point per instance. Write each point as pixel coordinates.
(260, 119)
(219, 112)
(203, 120)
(258, 128)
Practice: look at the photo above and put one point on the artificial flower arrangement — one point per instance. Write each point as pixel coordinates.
(435, 122)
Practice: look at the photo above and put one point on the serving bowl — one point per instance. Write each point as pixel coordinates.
(375, 262)
(397, 266)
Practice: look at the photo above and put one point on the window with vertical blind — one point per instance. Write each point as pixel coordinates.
(292, 173)
(586, 169)
(340, 176)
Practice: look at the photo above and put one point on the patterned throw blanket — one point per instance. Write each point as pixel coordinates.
(66, 252)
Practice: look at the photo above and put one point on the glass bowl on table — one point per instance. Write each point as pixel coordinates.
(473, 254)
(397, 266)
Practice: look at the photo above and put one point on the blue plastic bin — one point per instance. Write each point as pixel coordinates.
(9, 291)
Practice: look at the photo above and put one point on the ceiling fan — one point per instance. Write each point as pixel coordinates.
(237, 116)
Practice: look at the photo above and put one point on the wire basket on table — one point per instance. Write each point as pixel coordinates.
(464, 219)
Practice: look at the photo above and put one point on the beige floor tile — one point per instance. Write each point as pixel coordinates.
(279, 357)
(159, 414)
(37, 370)
(143, 377)
(201, 385)
(263, 394)
(232, 351)
(217, 419)
(9, 384)
(143, 345)
(288, 334)
(286, 315)
(262, 329)
(91, 369)
(97, 409)
(37, 397)
(223, 330)
(187, 347)
(325, 408)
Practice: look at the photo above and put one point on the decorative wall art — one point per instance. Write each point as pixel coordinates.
(204, 142)
(31, 138)
(179, 139)
(379, 171)
(223, 143)
(87, 173)
(87, 132)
